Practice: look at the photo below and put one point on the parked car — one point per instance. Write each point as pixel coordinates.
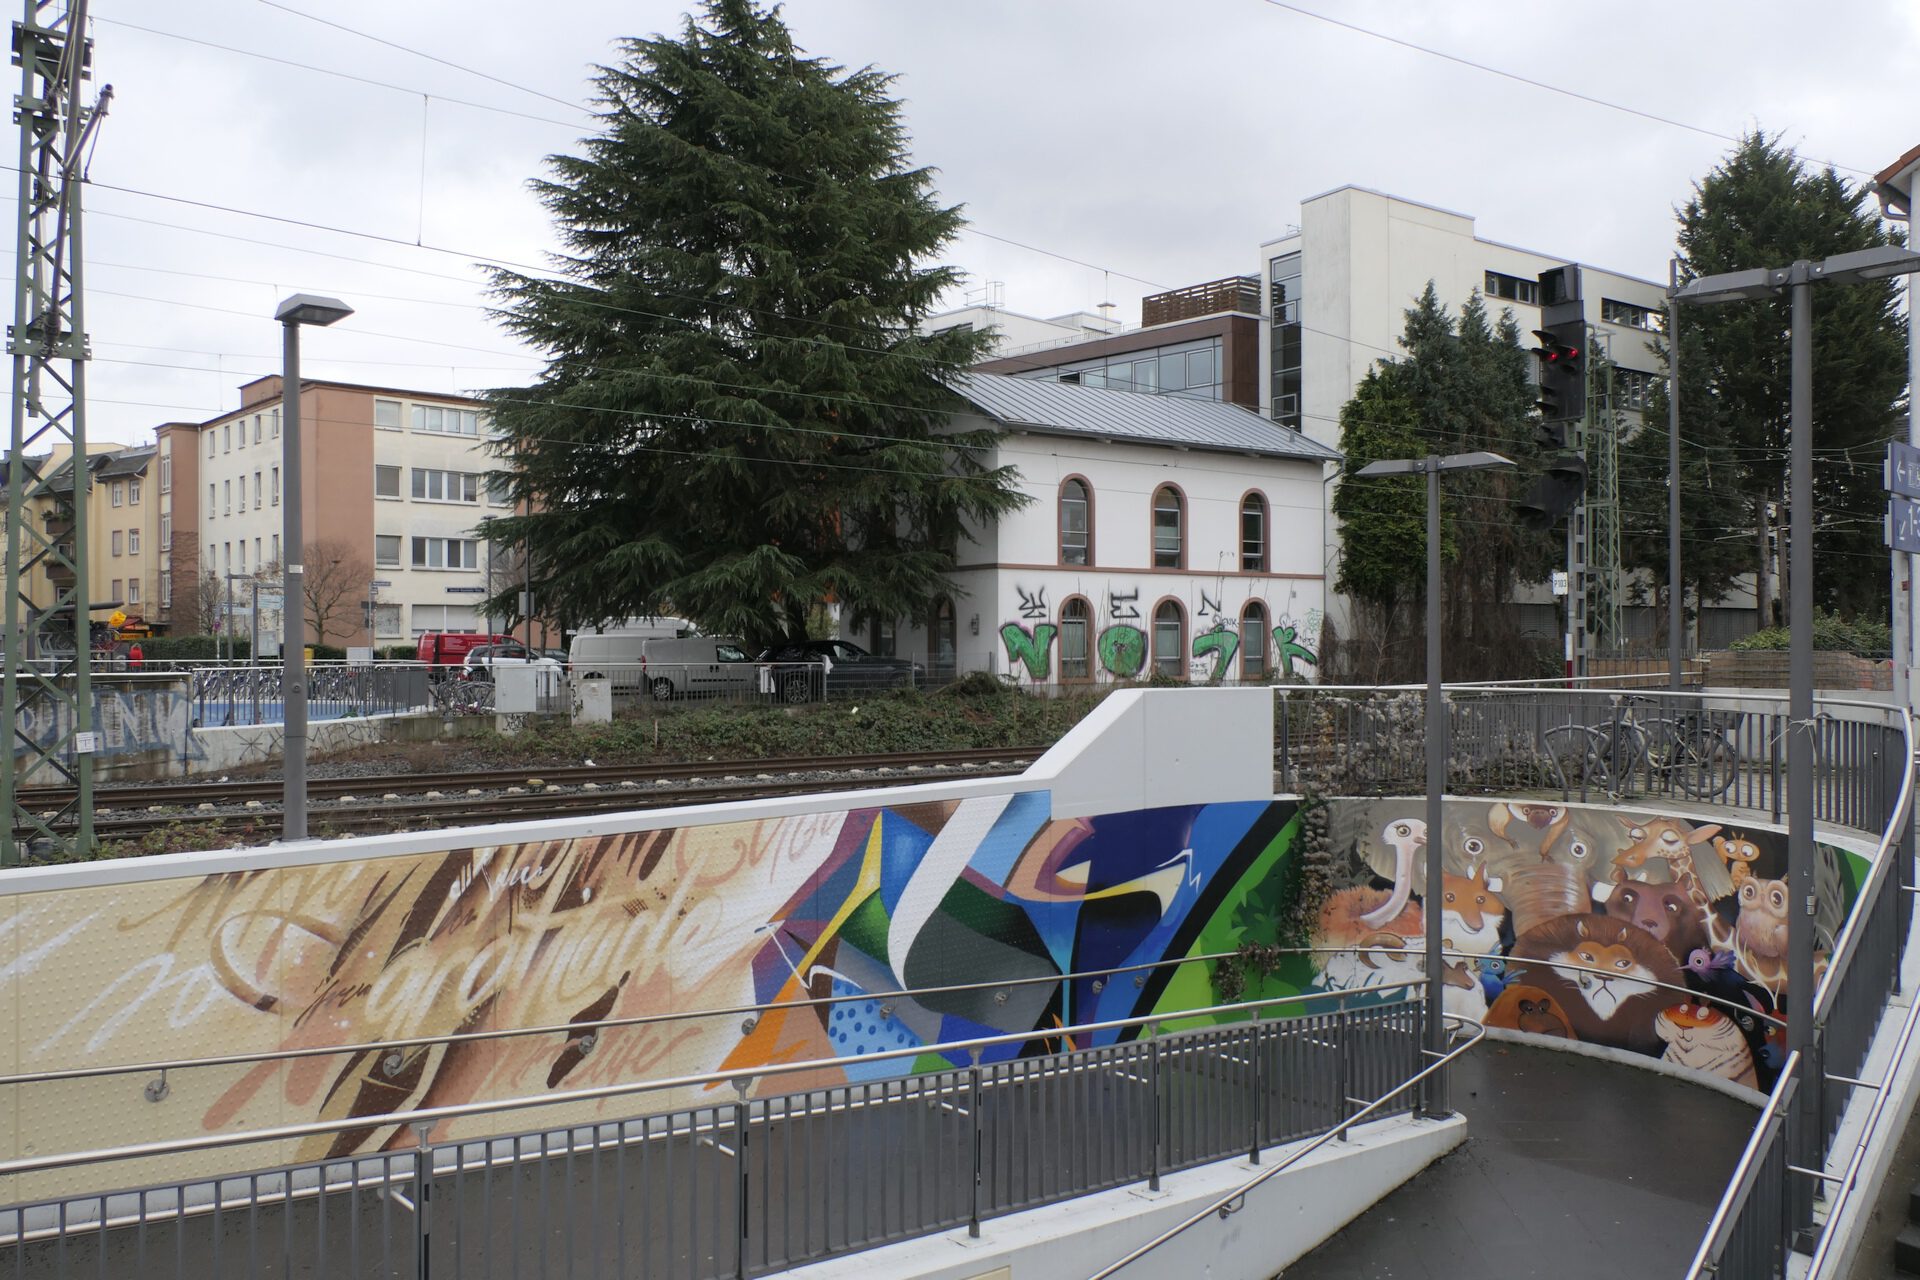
(806, 669)
(445, 651)
(664, 667)
(482, 660)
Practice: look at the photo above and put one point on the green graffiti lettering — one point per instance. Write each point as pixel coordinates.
(1290, 648)
(1034, 648)
(1223, 642)
(1123, 650)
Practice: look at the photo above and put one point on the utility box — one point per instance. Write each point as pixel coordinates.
(593, 701)
(528, 690)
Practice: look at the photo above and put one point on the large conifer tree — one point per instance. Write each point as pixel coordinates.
(738, 421)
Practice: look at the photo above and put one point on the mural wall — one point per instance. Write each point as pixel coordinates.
(857, 903)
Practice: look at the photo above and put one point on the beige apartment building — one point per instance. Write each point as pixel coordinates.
(395, 486)
(124, 563)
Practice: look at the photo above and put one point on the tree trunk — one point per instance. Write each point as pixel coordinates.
(1762, 579)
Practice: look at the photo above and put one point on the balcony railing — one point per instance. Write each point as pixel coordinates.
(1234, 294)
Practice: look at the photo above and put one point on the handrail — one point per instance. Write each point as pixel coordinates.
(428, 1116)
(1221, 1206)
(1848, 1181)
(581, 1028)
(1724, 1210)
(1848, 942)
(1525, 686)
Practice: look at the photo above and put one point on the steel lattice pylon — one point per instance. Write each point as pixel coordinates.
(48, 697)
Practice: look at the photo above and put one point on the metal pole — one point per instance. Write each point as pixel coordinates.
(293, 614)
(1800, 899)
(253, 631)
(1436, 1090)
(227, 622)
(1676, 592)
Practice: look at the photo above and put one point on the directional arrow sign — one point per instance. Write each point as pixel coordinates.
(1903, 525)
(1903, 469)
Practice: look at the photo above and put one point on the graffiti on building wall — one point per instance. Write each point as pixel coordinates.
(126, 721)
(1032, 649)
(1655, 935)
(1123, 647)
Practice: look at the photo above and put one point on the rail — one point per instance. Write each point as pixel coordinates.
(750, 1185)
(1225, 1206)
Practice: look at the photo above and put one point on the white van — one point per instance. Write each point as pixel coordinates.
(666, 667)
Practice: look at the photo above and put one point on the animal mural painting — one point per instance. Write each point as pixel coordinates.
(1654, 934)
(1123, 647)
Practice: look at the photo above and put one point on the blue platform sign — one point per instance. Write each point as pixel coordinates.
(1903, 469)
(1903, 525)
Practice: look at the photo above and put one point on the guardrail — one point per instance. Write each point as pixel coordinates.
(748, 1185)
(1697, 751)
(662, 683)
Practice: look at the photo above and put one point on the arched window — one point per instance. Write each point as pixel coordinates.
(1253, 641)
(1169, 639)
(1253, 533)
(1169, 529)
(1076, 522)
(1076, 636)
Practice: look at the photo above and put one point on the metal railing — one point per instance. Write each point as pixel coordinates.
(747, 1185)
(660, 684)
(1751, 1231)
(247, 695)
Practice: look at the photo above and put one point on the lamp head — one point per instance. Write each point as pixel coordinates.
(313, 309)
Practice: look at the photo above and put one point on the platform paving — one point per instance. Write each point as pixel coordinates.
(1573, 1167)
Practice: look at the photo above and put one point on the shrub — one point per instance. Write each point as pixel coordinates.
(191, 648)
(1867, 637)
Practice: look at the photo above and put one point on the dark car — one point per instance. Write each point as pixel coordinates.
(802, 670)
(483, 660)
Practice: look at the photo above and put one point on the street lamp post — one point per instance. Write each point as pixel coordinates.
(1878, 263)
(1435, 1102)
(301, 308)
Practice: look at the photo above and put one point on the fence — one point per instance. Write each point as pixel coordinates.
(662, 683)
(1697, 750)
(226, 696)
(744, 1186)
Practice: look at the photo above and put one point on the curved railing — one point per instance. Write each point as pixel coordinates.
(1701, 752)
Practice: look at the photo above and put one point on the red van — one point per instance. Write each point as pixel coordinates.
(443, 651)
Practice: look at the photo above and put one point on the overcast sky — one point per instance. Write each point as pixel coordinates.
(1159, 141)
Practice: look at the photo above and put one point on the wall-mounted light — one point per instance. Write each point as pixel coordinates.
(973, 624)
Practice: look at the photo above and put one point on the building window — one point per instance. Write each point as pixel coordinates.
(499, 493)
(119, 493)
(1634, 316)
(273, 421)
(166, 590)
(1076, 522)
(386, 550)
(1169, 639)
(213, 502)
(243, 433)
(226, 437)
(256, 428)
(226, 497)
(276, 548)
(276, 486)
(243, 491)
(445, 486)
(386, 482)
(445, 553)
(1253, 533)
(1284, 347)
(133, 591)
(1076, 635)
(113, 592)
(243, 555)
(116, 546)
(1253, 641)
(1169, 529)
(166, 473)
(133, 542)
(386, 620)
(1632, 388)
(445, 421)
(209, 444)
(386, 414)
(166, 531)
(133, 493)
(1513, 288)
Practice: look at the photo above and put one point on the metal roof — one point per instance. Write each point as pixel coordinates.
(1042, 405)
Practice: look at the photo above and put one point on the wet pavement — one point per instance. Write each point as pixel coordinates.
(1573, 1167)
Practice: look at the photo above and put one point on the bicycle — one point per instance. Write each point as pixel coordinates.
(1687, 750)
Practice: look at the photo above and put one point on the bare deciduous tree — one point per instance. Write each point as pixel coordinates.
(334, 584)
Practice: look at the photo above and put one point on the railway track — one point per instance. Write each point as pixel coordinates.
(396, 802)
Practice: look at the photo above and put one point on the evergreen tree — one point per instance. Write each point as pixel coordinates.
(1462, 385)
(738, 420)
(1762, 208)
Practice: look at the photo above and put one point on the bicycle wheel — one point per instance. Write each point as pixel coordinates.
(1704, 764)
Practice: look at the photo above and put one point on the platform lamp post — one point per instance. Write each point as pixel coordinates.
(1434, 1104)
(1881, 262)
(301, 308)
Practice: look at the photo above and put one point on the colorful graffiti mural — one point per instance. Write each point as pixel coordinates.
(1657, 935)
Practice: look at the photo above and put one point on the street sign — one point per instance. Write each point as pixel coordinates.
(1559, 582)
(1903, 525)
(1903, 469)
(467, 591)
(381, 582)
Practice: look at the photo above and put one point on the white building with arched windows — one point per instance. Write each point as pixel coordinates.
(1165, 535)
